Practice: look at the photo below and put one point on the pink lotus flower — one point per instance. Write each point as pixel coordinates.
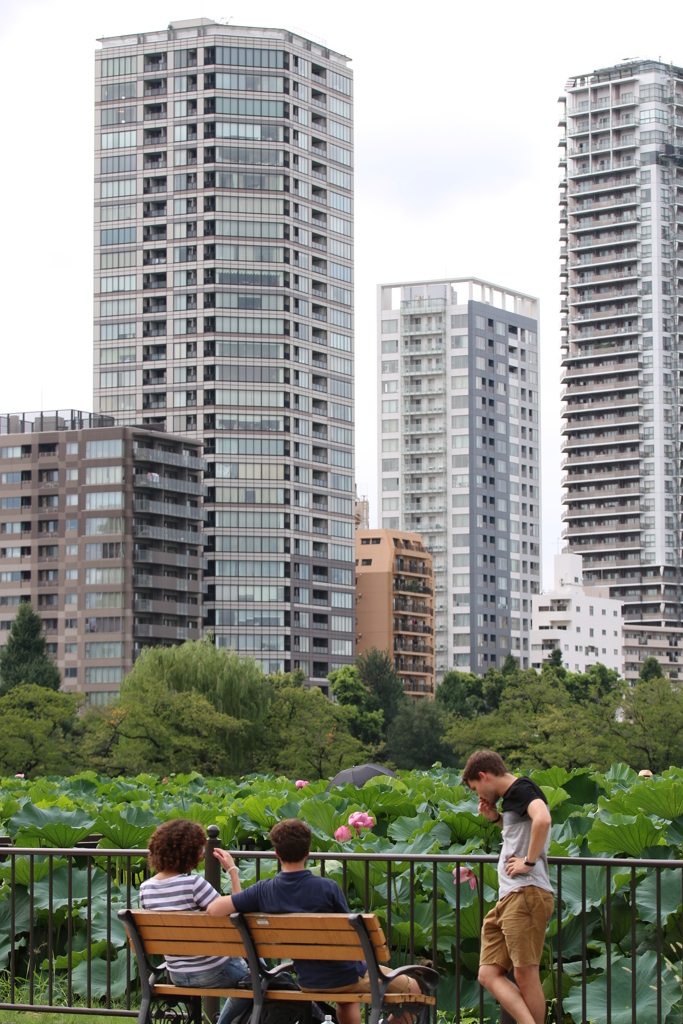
(164, 780)
(342, 834)
(19, 775)
(464, 875)
(300, 783)
(360, 820)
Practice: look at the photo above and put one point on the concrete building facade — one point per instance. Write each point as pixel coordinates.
(458, 438)
(583, 623)
(223, 309)
(102, 530)
(395, 604)
(621, 258)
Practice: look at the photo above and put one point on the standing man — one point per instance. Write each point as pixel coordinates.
(514, 931)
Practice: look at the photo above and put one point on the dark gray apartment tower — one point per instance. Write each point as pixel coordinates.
(459, 444)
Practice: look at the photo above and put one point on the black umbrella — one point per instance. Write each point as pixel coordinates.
(359, 775)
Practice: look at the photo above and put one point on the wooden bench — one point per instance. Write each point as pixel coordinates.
(286, 937)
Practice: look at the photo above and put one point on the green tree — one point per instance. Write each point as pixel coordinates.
(555, 658)
(538, 724)
(24, 658)
(453, 692)
(597, 682)
(418, 736)
(651, 669)
(154, 728)
(234, 686)
(651, 723)
(366, 720)
(307, 735)
(466, 694)
(376, 670)
(36, 731)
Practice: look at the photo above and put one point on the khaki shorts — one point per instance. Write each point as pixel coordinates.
(514, 931)
(400, 984)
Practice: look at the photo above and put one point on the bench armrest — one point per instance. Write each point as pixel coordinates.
(426, 977)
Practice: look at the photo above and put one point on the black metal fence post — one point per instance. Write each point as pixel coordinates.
(212, 873)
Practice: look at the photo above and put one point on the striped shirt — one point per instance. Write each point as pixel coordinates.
(181, 892)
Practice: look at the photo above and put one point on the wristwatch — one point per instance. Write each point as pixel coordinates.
(530, 863)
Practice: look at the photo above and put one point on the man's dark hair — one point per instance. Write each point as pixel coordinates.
(291, 840)
(483, 761)
(177, 845)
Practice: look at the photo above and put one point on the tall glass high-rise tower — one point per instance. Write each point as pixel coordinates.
(621, 214)
(224, 310)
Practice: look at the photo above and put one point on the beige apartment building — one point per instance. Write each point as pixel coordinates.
(395, 604)
(102, 530)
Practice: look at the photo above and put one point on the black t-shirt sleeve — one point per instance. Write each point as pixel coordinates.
(248, 901)
(520, 795)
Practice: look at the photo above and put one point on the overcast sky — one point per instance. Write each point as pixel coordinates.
(456, 167)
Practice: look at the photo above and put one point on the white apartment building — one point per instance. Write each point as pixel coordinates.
(584, 623)
(458, 439)
(621, 214)
(223, 309)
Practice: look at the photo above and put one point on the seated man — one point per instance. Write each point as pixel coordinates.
(297, 891)
(175, 849)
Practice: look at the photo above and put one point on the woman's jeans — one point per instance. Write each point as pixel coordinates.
(225, 975)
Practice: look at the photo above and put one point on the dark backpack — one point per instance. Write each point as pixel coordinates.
(305, 1012)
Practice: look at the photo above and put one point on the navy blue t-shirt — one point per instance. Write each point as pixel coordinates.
(300, 892)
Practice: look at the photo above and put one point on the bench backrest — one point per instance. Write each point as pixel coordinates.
(187, 933)
(313, 936)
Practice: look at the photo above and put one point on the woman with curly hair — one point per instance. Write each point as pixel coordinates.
(175, 850)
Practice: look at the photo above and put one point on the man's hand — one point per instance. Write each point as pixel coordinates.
(489, 810)
(516, 866)
(225, 858)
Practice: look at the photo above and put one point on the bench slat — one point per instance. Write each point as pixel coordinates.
(307, 938)
(316, 922)
(191, 947)
(186, 918)
(300, 951)
(180, 990)
(150, 933)
(298, 997)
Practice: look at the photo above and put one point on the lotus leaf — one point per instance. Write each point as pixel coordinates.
(646, 993)
(405, 828)
(129, 829)
(625, 834)
(98, 976)
(60, 888)
(670, 893)
(51, 826)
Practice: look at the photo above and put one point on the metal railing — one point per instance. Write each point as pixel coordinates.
(52, 891)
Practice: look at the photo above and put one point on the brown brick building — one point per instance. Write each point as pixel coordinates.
(395, 604)
(101, 528)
